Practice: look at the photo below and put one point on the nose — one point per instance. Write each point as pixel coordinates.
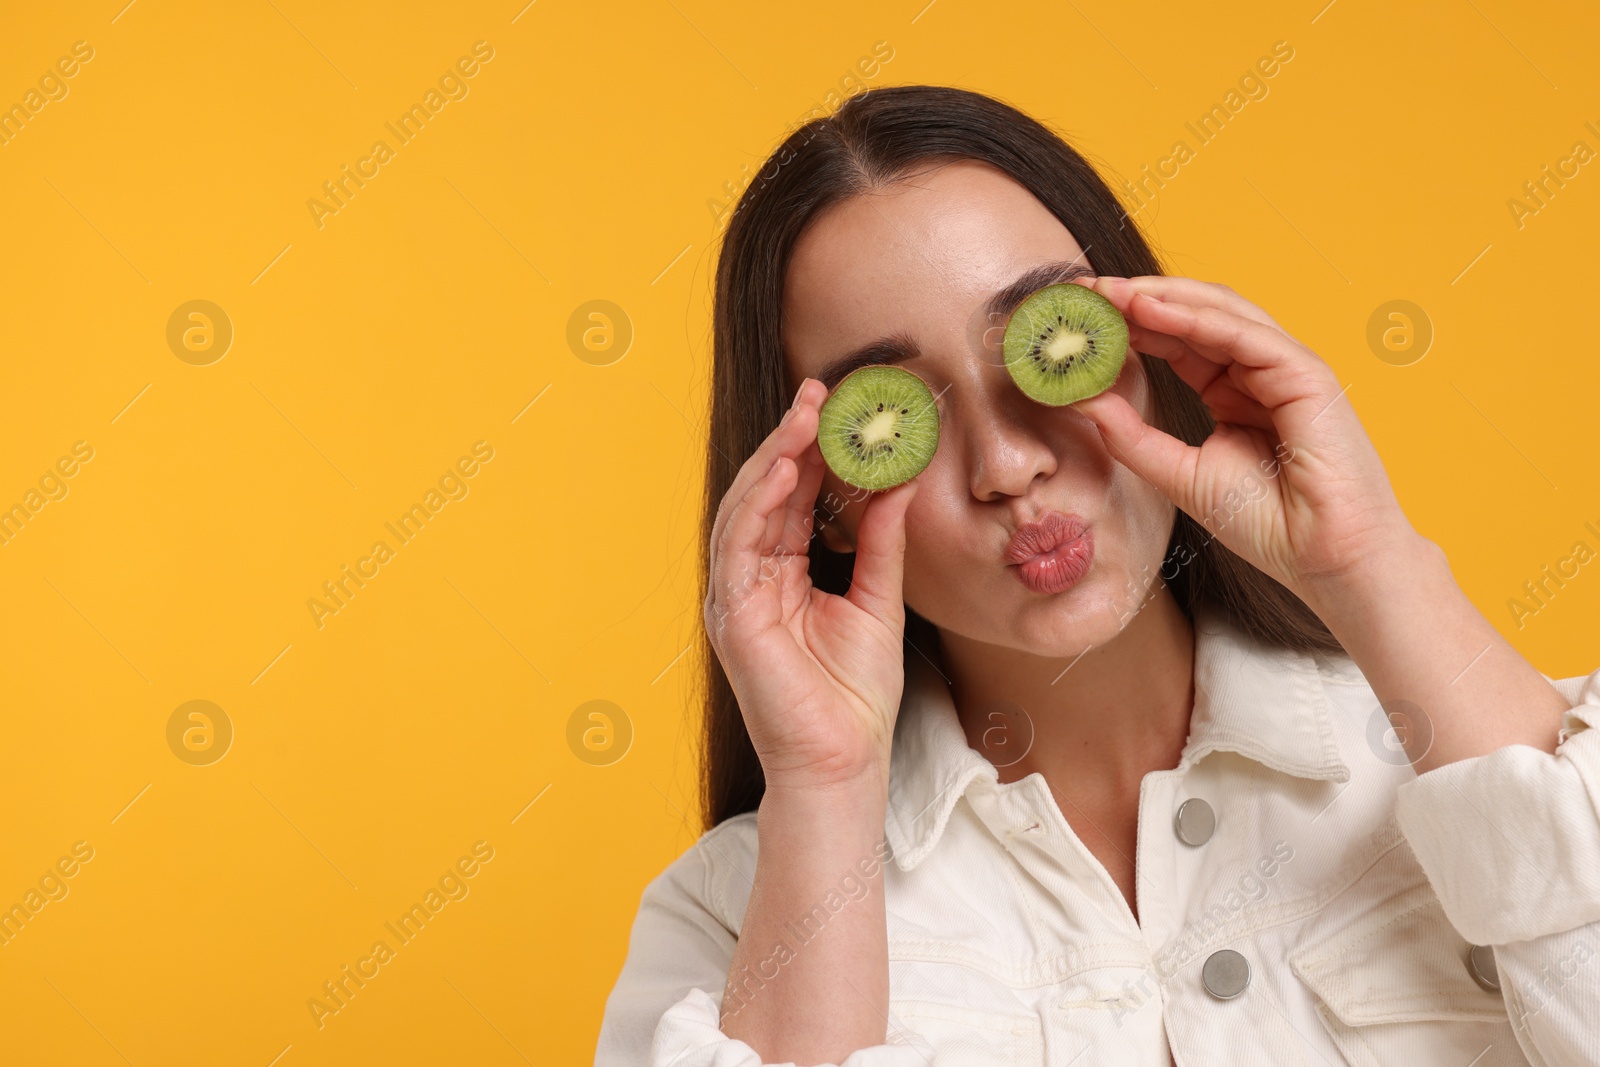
(1006, 450)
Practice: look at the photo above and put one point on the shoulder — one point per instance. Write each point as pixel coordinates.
(714, 875)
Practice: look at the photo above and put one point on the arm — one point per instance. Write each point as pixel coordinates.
(808, 983)
(1419, 640)
(1510, 842)
(1325, 521)
(688, 937)
(1503, 814)
(818, 679)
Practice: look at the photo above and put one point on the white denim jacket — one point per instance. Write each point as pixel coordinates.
(1353, 890)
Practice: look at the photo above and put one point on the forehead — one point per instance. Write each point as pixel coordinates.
(916, 256)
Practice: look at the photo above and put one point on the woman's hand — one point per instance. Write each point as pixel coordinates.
(818, 676)
(1289, 479)
(1326, 523)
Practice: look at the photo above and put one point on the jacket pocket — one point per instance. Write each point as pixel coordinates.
(1393, 986)
(967, 1037)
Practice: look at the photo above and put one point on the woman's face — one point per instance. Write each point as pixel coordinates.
(919, 260)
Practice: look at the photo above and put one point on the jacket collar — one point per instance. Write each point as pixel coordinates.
(1264, 703)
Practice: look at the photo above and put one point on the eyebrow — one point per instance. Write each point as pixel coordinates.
(899, 347)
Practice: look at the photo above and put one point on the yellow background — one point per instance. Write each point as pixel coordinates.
(369, 754)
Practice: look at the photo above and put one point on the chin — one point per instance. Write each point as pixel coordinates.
(1063, 624)
(1071, 622)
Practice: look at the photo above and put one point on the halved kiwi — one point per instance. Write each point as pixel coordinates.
(1065, 343)
(879, 427)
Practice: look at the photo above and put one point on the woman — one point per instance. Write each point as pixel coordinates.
(1071, 749)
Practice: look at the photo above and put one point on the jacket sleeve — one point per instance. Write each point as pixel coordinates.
(1510, 842)
(665, 1009)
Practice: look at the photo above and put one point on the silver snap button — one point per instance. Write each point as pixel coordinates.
(1225, 974)
(1194, 822)
(1481, 965)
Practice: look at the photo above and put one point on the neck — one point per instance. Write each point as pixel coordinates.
(1102, 720)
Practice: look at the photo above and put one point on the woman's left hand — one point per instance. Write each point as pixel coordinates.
(1289, 479)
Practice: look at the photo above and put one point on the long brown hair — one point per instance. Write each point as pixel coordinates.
(876, 136)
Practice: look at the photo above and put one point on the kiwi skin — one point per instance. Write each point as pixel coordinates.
(1089, 371)
(840, 423)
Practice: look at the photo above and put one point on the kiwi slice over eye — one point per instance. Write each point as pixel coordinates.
(1065, 343)
(879, 427)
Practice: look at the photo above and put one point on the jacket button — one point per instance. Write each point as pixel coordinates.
(1481, 965)
(1225, 974)
(1194, 821)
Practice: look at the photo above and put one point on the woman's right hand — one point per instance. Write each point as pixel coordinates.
(818, 676)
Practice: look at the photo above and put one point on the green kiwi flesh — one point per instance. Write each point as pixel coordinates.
(1065, 343)
(879, 427)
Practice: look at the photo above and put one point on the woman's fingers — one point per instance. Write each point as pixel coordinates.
(1198, 371)
(1272, 367)
(793, 434)
(1202, 329)
(1159, 458)
(1219, 336)
(765, 517)
(1244, 366)
(875, 581)
(1228, 403)
(1185, 290)
(789, 528)
(740, 556)
(1217, 385)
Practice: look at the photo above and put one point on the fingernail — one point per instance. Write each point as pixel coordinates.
(795, 402)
